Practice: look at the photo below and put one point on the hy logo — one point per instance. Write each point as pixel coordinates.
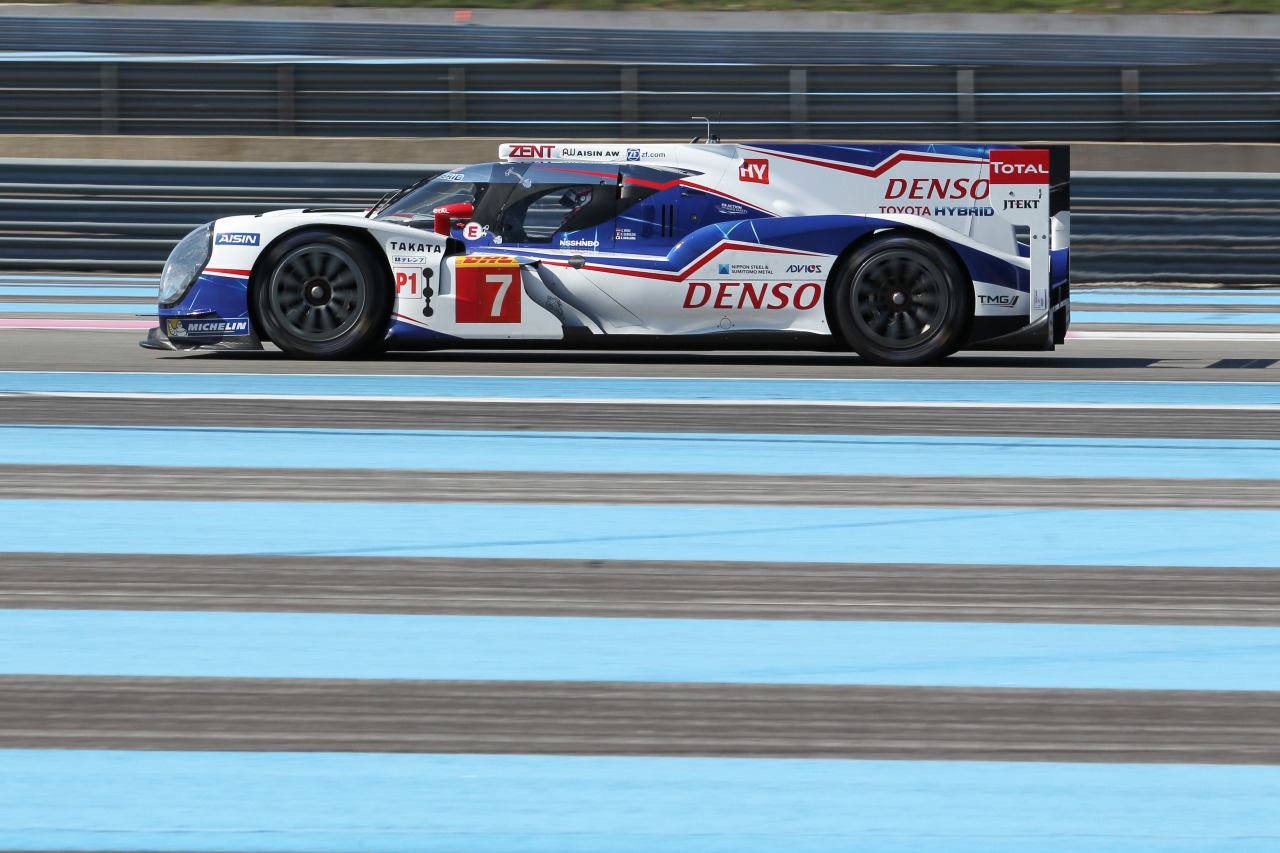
(754, 171)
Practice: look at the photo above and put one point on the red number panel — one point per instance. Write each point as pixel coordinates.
(488, 290)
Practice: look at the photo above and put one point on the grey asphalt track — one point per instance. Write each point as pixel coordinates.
(607, 718)
(1143, 359)
(639, 417)
(643, 589)
(644, 719)
(123, 482)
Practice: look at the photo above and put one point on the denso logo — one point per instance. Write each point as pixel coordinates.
(754, 171)
(924, 188)
(809, 268)
(532, 151)
(748, 294)
(232, 239)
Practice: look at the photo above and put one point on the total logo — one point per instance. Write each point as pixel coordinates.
(999, 168)
(754, 172)
(812, 269)
(1019, 166)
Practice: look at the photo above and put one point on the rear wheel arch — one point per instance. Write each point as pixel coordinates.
(857, 253)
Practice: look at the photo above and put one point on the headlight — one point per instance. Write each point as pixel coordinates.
(185, 263)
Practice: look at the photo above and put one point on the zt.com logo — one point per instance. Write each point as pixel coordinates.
(809, 268)
(754, 171)
(230, 239)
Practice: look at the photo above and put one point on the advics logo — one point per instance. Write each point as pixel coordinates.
(809, 268)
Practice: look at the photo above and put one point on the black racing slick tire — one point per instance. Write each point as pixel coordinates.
(322, 295)
(902, 300)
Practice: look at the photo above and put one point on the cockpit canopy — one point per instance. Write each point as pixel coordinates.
(533, 202)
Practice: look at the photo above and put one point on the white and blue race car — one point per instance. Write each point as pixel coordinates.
(903, 253)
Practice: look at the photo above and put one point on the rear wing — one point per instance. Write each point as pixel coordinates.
(1031, 188)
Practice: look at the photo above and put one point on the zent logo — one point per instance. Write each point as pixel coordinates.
(535, 151)
(488, 290)
(1020, 166)
(754, 171)
(236, 240)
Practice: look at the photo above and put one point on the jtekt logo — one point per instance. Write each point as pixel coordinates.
(754, 171)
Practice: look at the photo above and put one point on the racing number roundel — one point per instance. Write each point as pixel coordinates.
(488, 289)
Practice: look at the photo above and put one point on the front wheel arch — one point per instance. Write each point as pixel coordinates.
(378, 275)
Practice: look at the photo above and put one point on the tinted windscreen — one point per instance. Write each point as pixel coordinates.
(474, 185)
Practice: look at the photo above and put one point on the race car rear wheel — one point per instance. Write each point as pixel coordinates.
(902, 300)
(322, 295)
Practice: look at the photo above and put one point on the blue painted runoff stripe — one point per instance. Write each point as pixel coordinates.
(1196, 297)
(684, 390)
(217, 447)
(280, 802)
(616, 532)
(78, 307)
(1175, 318)
(724, 651)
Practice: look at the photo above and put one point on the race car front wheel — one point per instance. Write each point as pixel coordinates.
(902, 300)
(322, 295)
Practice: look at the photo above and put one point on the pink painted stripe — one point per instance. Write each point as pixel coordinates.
(47, 323)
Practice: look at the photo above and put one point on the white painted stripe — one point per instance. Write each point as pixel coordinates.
(726, 380)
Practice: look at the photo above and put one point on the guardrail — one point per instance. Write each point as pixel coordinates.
(399, 97)
(53, 216)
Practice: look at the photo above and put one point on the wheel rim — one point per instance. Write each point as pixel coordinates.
(318, 292)
(899, 299)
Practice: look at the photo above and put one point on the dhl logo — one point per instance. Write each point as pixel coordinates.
(487, 261)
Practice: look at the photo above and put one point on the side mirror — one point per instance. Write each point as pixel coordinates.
(446, 215)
